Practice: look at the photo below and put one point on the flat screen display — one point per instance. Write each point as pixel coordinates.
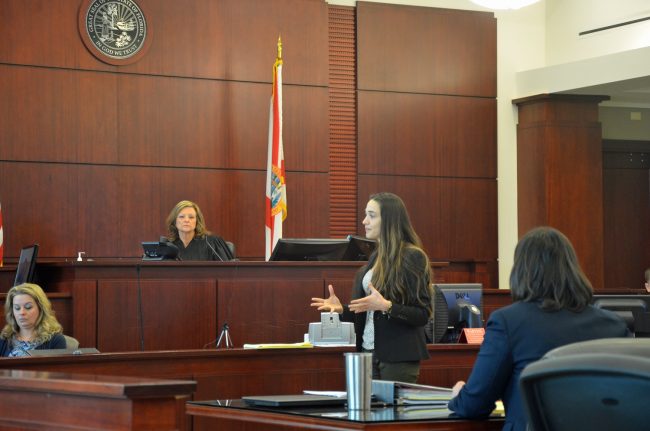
(456, 306)
(26, 265)
(310, 249)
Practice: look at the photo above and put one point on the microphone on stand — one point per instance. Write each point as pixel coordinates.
(212, 248)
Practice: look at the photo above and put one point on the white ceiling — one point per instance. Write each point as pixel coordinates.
(633, 93)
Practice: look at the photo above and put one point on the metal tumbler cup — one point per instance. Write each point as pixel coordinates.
(358, 379)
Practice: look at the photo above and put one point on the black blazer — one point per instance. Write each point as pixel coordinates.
(399, 336)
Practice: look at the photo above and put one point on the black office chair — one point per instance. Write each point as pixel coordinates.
(593, 385)
(231, 247)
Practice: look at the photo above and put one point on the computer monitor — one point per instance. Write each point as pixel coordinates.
(159, 250)
(25, 269)
(456, 306)
(633, 309)
(310, 249)
(359, 248)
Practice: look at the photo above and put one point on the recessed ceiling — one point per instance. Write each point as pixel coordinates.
(633, 93)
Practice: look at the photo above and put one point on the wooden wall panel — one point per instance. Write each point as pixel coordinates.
(425, 135)
(175, 314)
(418, 138)
(90, 117)
(455, 218)
(201, 123)
(283, 317)
(108, 210)
(219, 39)
(426, 50)
(626, 203)
(58, 115)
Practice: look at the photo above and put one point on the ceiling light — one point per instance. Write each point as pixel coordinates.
(504, 4)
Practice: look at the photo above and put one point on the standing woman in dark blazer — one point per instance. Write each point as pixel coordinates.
(391, 297)
(551, 307)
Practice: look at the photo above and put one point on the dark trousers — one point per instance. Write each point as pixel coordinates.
(407, 371)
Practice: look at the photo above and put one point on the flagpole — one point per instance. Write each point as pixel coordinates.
(276, 199)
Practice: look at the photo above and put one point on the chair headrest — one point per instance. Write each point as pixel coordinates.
(620, 346)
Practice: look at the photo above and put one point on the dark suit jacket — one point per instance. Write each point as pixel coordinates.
(56, 342)
(515, 336)
(399, 336)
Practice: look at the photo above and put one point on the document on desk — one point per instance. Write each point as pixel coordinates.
(303, 345)
(407, 393)
(336, 394)
(402, 393)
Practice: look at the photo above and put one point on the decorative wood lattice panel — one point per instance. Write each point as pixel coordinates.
(342, 121)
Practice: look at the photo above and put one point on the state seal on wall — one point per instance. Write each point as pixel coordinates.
(115, 31)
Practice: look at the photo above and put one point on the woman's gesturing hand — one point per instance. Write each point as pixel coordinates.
(331, 304)
(373, 302)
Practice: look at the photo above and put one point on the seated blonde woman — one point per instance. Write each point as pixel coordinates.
(30, 322)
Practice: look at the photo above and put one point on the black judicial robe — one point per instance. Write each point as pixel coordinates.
(207, 247)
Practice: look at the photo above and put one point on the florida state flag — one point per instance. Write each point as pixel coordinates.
(276, 190)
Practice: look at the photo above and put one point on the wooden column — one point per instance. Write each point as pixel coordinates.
(560, 173)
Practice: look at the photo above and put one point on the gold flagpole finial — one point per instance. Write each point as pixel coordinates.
(279, 48)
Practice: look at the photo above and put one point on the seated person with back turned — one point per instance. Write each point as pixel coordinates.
(551, 307)
(30, 322)
(647, 280)
(187, 231)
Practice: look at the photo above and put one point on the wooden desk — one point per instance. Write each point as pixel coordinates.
(62, 401)
(231, 414)
(234, 373)
(129, 304)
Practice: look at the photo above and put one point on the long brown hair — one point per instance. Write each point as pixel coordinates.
(392, 270)
(46, 324)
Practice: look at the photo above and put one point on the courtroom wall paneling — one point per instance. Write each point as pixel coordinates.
(92, 117)
(218, 124)
(426, 50)
(189, 118)
(531, 177)
(626, 207)
(455, 218)
(58, 115)
(427, 135)
(256, 316)
(575, 194)
(216, 39)
(174, 314)
(107, 211)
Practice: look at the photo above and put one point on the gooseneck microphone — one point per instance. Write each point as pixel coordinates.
(212, 248)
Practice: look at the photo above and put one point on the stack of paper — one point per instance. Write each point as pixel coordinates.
(304, 345)
(402, 393)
